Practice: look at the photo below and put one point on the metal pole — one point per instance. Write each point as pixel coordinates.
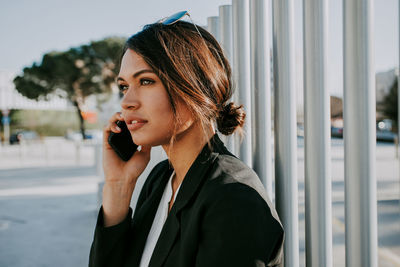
(225, 33)
(225, 30)
(398, 95)
(285, 127)
(213, 26)
(318, 210)
(260, 78)
(241, 69)
(359, 134)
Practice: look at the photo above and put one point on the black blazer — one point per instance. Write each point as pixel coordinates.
(221, 217)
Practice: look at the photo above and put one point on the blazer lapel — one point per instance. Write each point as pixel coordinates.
(194, 177)
(190, 184)
(165, 241)
(143, 218)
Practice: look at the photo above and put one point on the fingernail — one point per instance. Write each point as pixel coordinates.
(116, 127)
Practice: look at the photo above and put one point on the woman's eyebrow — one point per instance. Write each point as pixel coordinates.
(141, 72)
(136, 74)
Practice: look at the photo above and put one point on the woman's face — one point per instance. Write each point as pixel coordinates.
(145, 106)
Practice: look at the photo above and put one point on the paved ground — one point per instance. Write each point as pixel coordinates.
(49, 202)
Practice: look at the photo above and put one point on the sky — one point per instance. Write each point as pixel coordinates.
(29, 29)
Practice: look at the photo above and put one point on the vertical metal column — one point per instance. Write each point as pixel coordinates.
(213, 26)
(285, 127)
(398, 88)
(261, 89)
(318, 202)
(225, 32)
(359, 134)
(241, 69)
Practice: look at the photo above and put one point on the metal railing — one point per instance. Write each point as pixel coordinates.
(318, 210)
(359, 136)
(250, 34)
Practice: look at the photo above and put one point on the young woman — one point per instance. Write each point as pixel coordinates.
(202, 206)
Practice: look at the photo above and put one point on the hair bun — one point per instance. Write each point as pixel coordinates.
(230, 117)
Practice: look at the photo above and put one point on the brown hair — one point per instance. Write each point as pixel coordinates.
(193, 69)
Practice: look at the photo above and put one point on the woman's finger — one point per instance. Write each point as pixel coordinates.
(112, 126)
(117, 116)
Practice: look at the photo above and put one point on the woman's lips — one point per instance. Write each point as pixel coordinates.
(135, 124)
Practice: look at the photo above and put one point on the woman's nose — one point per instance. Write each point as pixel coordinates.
(130, 100)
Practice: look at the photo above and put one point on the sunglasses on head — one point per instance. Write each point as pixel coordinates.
(177, 17)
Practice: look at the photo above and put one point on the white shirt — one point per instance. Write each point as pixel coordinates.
(158, 222)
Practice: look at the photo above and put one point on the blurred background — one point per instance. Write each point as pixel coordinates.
(83, 40)
(58, 63)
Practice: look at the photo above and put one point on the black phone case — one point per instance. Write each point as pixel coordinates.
(122, 142)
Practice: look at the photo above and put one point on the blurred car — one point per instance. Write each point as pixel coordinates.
(18, 136)
(89, 135)
(385, 136)
(384, 131)
(384, 125)
(337, 132)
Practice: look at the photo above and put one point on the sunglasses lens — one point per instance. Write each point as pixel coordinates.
(174, 18)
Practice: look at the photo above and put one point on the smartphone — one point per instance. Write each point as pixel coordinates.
(122, 142)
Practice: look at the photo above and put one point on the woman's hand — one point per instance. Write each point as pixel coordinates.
(120, 176)
(115, 169)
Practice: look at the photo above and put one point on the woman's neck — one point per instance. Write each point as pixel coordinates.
(185, 150)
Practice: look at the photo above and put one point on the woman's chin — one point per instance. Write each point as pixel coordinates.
(141, 142)
(146, 141)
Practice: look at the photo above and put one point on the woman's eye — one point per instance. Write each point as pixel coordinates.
(122, 87)
(146, 82)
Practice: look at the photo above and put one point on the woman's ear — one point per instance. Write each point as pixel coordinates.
(184, 117)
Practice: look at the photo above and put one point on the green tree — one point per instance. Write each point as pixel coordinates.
(390, 103)
(74, 74)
